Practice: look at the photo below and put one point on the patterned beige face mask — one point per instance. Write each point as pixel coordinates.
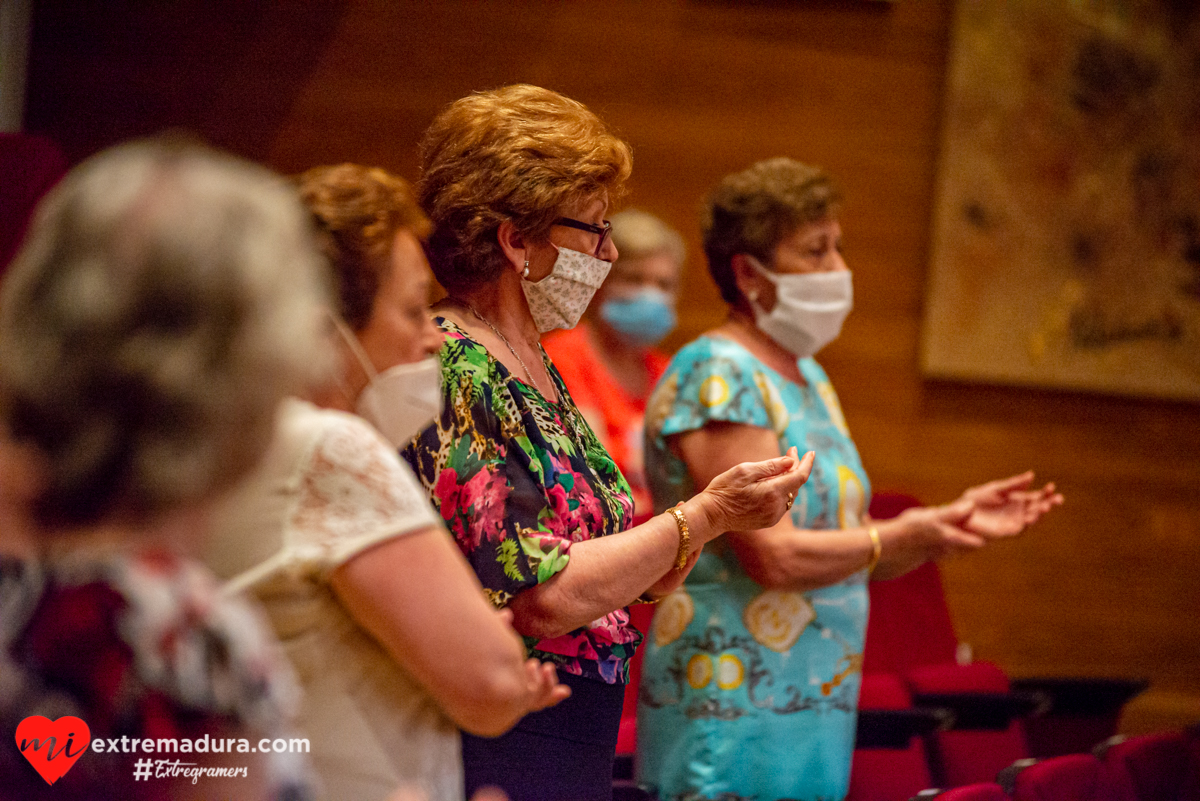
(559, 299)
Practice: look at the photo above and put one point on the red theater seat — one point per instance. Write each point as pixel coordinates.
(988, 791)
(886, 773)
(1075, 777)
(910, 634)
(1153, 767)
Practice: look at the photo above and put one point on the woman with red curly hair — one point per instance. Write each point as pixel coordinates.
(517, 183)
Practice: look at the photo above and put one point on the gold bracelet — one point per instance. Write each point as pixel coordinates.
(646, 599)
(876, 549)
(685, 537)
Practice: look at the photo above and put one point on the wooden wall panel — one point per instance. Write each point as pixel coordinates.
(1105, 587)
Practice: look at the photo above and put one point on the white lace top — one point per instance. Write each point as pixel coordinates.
(329, 488)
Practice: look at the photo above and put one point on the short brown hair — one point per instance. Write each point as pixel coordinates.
(357, 211)
(518, 153)
(754, 210)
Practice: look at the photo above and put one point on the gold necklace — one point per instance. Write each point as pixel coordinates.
(513, 351)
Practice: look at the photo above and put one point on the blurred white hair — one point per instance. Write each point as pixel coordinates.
(638, 233)
(167, 297)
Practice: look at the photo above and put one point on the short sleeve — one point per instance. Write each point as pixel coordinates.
(493, 489)
(353, 493)
(706, 385)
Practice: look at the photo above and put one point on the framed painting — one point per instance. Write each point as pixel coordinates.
(1066, 226)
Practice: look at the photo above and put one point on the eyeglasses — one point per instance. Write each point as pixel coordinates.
(601, 231)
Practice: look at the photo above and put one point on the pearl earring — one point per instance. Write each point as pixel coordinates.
(525, 273)
(753, 296)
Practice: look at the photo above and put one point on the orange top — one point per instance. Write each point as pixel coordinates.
(617, 417)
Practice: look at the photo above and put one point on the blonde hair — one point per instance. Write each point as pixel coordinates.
(167, 298)
(519, 153)
(357, 211)
(752, 211)
(638, 233)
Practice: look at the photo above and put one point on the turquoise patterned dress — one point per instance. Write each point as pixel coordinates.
(752, 693)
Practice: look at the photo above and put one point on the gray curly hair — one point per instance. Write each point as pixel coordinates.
(167, 297)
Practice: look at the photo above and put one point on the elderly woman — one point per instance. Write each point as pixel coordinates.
(166, 300)
(394, 642)
(751, 682)
(609, 361)
(517, 182)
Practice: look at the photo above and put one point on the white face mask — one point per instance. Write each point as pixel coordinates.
(559, 299)
(403, 399)
(809, 308)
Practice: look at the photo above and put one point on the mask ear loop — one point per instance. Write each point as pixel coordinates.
(752, 296)
(355, 346)
(761, 270)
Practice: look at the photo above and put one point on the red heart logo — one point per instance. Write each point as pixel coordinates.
(53, 746)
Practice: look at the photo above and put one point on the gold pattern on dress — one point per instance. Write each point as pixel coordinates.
(714, 391)
(777, 410)
(850, 510)
(854, 663)
(776, 619)
(730, 672)
(825, 390)
(699, 671)
(674, 615)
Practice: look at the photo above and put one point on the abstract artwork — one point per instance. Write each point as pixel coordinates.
(1066, 238)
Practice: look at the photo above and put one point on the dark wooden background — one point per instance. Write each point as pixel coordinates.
(1106, 586)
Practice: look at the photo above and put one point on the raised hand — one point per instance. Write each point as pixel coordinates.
(756, 495)
(1004, 508)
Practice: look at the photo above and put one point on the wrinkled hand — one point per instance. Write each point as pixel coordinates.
(541, 681)
(542, 689)
(924, 534)
(1004, 508)
(755, 495)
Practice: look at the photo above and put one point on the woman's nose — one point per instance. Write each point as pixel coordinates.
(609, 251)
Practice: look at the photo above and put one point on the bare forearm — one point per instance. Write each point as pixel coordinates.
(798, 560)
(474, 669)
(608, 573)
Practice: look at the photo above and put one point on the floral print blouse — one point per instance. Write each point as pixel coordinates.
(518, 479)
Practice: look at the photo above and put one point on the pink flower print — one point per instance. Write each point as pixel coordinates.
(557, 516)
(483, 498)
(589, 505)
(577, 646)
(587, 516)
(613, 628)
(446, 492)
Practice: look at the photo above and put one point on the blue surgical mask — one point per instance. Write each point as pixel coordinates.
(644, 319)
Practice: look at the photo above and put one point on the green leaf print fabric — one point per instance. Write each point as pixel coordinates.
(518, 480)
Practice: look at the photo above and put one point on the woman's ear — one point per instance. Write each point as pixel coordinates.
(745, 276)
(512, 242)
